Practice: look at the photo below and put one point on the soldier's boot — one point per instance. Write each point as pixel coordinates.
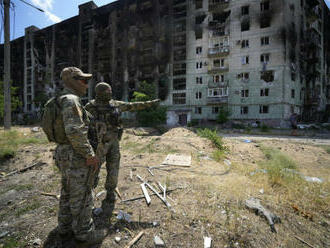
(93, 238)
(108, 204)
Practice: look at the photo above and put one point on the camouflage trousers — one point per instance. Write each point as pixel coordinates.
(112, 158)
(73, 215)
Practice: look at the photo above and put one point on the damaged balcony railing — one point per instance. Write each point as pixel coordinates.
(215, 51)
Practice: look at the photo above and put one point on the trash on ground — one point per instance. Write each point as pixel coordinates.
(35, 129)
(247, 141)
(255, 205)
(124, 216)
(4, 234)
(117, 239)
(98, 195)
(158, 242)
(207, 242)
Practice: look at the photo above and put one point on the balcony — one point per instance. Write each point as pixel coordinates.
(217, 100)
(213, 84)
(218, 5)
(215, 69)
(218, 51)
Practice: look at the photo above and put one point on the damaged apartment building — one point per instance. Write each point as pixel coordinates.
(260, 59)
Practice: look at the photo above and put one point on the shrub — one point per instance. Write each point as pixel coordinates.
(223, 115)
(213, 137)
(264, 128)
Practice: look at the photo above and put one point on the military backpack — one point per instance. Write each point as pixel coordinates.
(52, 122)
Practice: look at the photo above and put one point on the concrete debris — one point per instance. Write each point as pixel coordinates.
(4, 234)
(35, 129)
(155, 223)
(261, 191)
(97, 211)
(8, 197)
(124, 216)
(227, 162)
(254, 204)
(207, 242)
(178, 160)
(117, 239)
(158, 242)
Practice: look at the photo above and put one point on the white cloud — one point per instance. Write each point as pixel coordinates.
(47, 6)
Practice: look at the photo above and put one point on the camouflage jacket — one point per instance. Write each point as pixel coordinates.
(110, 115)
(75, 122)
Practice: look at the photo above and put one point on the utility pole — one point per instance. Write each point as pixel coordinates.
(6, 88)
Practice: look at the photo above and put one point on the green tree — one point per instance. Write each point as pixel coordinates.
(223, 115)
(154, 115)
(15, 102)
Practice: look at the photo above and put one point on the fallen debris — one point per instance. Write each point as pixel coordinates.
(207, 242)
(255, 205)
(100, 193)
(118, 193)
(158, 242)
(124, 216)
(150, 172)
(152, 189)
(24, 169)
(145, 193)
(136, 239)
(117, 239)
(303, 241)
(142, 197)
(50, 194)
(178, 160)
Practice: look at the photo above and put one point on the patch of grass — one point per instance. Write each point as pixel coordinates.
(218, 155)
(27, 208)
(326, 148)
(275, 164)
(13, 242)
(11, 140)
(213, 137)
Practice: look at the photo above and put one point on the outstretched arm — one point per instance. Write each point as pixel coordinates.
(135, 106)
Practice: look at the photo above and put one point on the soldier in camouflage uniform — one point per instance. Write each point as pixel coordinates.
(106, 113)
(76, 159)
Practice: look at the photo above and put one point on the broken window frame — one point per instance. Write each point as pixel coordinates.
(198, 95)
(218, 78)
(244, 110)
(179, 98)
(264, 41)
(220, 62)
(218, 92)
(265, 57)
(245, 25)
(293, 93)
(199, 80)
(245, 60)
(264, 92)
(245, 93)
(264, 6)
(215, 110)
(245, 10)
(179, 83)
(198, 110)
(263, 109)
(271, 73)
(244, 43)
(199, 50)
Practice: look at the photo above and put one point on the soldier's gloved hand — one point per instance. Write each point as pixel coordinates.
(93, 161)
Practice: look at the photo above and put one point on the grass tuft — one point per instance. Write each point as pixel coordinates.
(11, 140)
(213, 137)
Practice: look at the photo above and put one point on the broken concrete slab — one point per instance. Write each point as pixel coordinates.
(145, 193)
(178, 160)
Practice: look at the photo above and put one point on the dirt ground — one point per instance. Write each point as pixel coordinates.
(208, 198)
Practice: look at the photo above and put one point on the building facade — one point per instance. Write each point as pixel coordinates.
(260, 59)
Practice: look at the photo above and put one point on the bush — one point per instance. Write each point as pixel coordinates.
(223, 115)
(193, 123)
(213, 137)
(264, 128)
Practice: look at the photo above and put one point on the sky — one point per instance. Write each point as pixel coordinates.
(23, 16)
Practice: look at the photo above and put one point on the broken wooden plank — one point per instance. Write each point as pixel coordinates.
(162, 188)
(178, 160)
(255, 205)
(24, 169)
(50, 194)
(150, 172)
(142, 197)
(303, 241)
(136, 239)
(145, 193)
(152, 189)
(118, 193)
